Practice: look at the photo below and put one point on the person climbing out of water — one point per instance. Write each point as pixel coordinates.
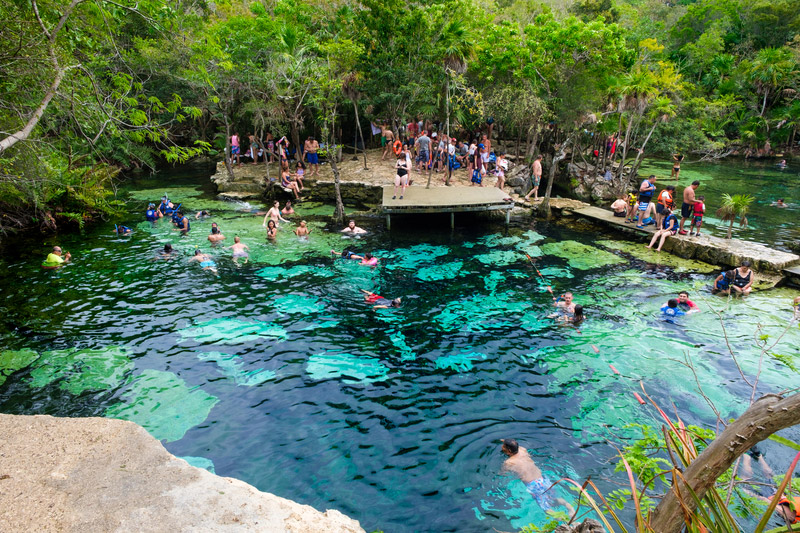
(671, 309)
(722, 285)
(686, 304)
(353, 229)
(183, 223)
(205, 261)
(302, 230)
(620, 206)
(152, 214)
(215, 235)
(670, 228)
(779, 203)
(697, 215)
(122, 230)
(272, 230)
(379, 301)
(742, 279)
(55, 259)
(366, 259)
(274, 214)
(646, 190)
(240, 250)
(519, 462)
(687, 207)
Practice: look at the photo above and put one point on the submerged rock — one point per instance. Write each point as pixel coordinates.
(87, 475)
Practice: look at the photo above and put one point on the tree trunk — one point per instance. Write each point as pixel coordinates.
(764, 105)
(26, 130)
(624, 149)
(295, 133)
(638, 161)
(730, 230)
(358, 123)
(557, 158)
(767, 415)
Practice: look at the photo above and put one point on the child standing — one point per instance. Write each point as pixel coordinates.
(697, 215)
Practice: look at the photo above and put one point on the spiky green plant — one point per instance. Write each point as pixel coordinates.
(734, 207)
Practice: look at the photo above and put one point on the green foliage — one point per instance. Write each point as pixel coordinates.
(733, 207)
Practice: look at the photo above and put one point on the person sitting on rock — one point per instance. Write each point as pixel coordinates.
(620, 206)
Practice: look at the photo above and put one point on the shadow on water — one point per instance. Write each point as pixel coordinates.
(278, 373)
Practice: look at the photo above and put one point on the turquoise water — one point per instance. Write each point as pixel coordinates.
(277, 373)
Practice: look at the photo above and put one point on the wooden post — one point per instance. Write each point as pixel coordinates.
(508, 217)
(389, 222)
(452, 220)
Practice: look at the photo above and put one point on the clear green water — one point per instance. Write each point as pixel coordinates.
(277, 373)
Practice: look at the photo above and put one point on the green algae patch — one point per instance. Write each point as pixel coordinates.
(176, 194)
(501, 257)
(163, 404)
(640, 251)
(83, 370)
(460, 362)
(231, 331)
(440, 272)
(399, 342)
(581, 256)
(232, 368)
(275, 273)
(13, 360)
(410, 258)
(352, 369)
(298, 304)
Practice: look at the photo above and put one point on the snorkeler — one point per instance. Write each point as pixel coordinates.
(239, 250)
(215, 235)
(353, 229)
(379, 301)
(302, 231)
(366, 259)
(183, 223)
(205, 261)
(686, 304)
(122, 230)
(519, 462)
(54, 259)
(152, 214)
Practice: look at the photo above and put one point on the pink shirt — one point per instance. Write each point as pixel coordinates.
(235, 140)
(370, 262)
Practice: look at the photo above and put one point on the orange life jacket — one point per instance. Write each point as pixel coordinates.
(795, 506)
(666, 202)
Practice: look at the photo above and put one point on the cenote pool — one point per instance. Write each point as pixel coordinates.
(277, 373)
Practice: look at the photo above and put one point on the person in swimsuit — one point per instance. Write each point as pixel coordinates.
(302, 230)
(742, 279)
(353, 229)
(688, 204)
(272, 230)
(387, 139)
(754, 454)
(379, 301)
(686, 304)
(288, 209)
(779, 203)
(722, 285)
(646, 190)
(182, 223)
(565, 304)
(235, 149)
(215, 235)
(671, 309)
(205, 261)
(519, 462)
(274, 214)
(670, 228)
(676, 165)
(286, 180)
(401, 175)
(367, 259)
(240, 250)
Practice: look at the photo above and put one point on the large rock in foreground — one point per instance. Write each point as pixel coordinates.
(97, 475)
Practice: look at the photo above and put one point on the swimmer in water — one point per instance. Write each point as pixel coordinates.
(182, 223)
(54, 259)
(215, 236)
(685, 304)
(779, 203)
(205, 261)
(352, 229)
(671, 309)
(366, 259)
(302, 230)
(202, 214)
(274, 214)
(122, 230)
(240, 250)
(519, 462)
(272, 230)
(288, 209)
(566, 304)
(167, 252)
(152, 214)
(379, 301)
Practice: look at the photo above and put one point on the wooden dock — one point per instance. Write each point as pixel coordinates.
(707, 248)
(445, 200)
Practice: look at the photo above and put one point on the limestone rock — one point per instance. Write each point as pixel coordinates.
(588, 526)
(100, 475)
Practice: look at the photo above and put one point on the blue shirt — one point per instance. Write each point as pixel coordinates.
(671, 311)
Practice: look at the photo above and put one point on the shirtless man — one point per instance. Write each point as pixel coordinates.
(519, 462)
(536, 179)
(310, 148)
(688, 205)
(274, 214)
(239, 250)
(215, 235)
(352, 229)
(302, 230)
(388, 136)
(205, 261)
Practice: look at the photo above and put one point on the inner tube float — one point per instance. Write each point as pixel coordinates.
(397, 147)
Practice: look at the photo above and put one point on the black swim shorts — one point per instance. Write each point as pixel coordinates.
(686, 210)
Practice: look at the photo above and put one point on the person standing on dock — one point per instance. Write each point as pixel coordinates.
(646, 190)
(687, 207)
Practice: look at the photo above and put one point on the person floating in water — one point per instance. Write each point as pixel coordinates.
(122, 230)
(205, 261)
(182, 223)
(240, 250)
(302, 231)
(215, 235)
(55, 259)
(519, 462)
(152, 214)
(782, 164)
(366, 259)
(202, 214)
(352, 229)
(379, 301)
(779, 203)
(685, 304)
(671, 309)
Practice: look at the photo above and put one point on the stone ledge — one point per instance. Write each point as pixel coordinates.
(99, 475)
